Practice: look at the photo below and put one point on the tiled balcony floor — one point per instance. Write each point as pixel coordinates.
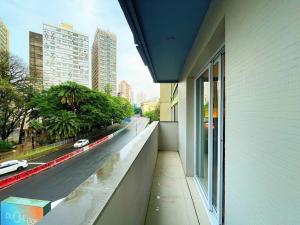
(170, 200)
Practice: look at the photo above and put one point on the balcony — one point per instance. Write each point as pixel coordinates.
(144, 183)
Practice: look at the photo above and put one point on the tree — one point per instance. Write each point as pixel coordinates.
(153, 115)
(36, 127)
(15, 91)
(71, 94)
(90, 108)
(11, 108)
(63, 125)
(108, 89)
(137, 110)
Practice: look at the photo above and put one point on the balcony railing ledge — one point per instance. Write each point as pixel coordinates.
(122, 185)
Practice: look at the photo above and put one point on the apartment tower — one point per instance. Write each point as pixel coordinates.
(4, 37)
(66, 55)
(125, 91)
(104, 73)
(36, 58)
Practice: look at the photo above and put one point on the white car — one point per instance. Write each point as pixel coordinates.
(12, 165)
(80, 143)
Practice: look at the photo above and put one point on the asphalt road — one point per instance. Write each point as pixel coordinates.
(59, 181)
(53, 155)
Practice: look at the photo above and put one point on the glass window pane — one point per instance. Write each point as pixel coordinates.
(202, 146)
(216, 89)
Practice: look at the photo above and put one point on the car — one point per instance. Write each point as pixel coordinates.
(12, 165)
(80, 143)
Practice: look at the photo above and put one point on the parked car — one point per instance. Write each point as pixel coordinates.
(12, 165)
(80, 143)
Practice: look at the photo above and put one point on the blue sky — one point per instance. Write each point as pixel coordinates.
(22, 16)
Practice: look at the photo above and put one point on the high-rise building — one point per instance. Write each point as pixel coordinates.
(140, 97)
(125, 91)
(4, 37)
(65, 55)
(104, 61)
(36, 58)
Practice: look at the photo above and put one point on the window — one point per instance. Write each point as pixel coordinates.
(203, 86)
(209, 150)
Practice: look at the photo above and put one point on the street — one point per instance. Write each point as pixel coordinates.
(58, 182)
(53, 155)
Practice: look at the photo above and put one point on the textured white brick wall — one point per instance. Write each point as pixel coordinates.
(262, 39)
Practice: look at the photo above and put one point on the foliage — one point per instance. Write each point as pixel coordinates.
(71, 94)
(15, 91)
(108, 89)
(137, 110)
(153, 115)
(80, 107)
(36, 125)
(5, 146)
(63, 125)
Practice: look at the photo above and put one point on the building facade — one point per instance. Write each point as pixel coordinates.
(65, 55)
(125, 91)
(4, 37)
(168, 102)
(140, 97)
(36, 58)
(149, 105)
(104, 69)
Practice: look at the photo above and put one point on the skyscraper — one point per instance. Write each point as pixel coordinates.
(104, 61)
(4, 37)
(125, 91)
(140, 97)
(36, 58)
(65, 55)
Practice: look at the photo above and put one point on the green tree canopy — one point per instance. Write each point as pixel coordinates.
(153, 115)
(15, 92)
(91, 108)
(63, 125)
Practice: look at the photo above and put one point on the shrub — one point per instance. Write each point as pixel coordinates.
(5, 146)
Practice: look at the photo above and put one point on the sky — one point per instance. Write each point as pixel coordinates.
(22, 16)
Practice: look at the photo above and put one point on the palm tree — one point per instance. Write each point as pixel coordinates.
(63, 125)
(36, 127)
(71, 94)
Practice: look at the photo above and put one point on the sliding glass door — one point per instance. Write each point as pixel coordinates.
(203, 85)
(210, 134)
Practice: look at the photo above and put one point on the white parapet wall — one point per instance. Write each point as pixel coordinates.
(116, 194)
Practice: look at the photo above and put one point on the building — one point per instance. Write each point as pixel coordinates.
(233, 156)
(4, 37)
(140, 97)
(149, 105)
(125, 91)
(165, 102)
(65, 55)
(36, 59)
(104, 69)
(168, 102)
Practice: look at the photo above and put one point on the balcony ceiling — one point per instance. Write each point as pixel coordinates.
(164, 31)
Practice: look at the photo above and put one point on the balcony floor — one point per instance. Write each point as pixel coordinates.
(170, 201)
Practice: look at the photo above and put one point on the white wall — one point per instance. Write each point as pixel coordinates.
(209, 39)
(262, 157)
(168, 136)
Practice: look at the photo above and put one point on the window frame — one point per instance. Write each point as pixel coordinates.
(215, 214)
